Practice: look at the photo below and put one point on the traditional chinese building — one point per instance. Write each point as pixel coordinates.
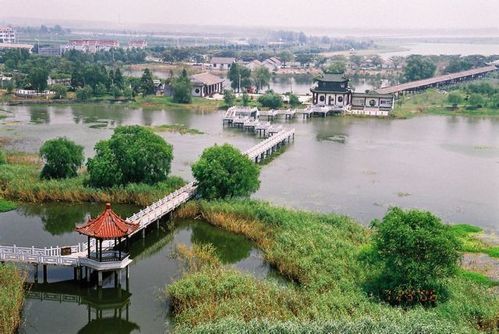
(110, 228)
(332, 92)
(206, 84)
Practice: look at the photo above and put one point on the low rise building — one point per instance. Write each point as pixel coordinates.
(206, 84)
(91, 45)
(222, 63)
(137, 44)
(7, 35)
(49, 51)
(332, 92)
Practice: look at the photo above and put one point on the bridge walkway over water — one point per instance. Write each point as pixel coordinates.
(77, 255)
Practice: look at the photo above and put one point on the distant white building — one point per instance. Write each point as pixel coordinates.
(222, 63)
(7, 35)
(91, 45)
(137, 44)
(30, 93)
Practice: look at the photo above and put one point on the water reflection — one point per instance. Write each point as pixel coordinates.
(230, 248)
(107, 309)
(39, 116)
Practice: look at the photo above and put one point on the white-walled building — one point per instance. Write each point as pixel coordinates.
(91, 45)
(7, 35)
(206, 84)
(222, 63)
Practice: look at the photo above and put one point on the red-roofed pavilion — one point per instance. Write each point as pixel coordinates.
(107, 226)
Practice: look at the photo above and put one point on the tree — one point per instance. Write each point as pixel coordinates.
(285, 57)
(239, 77)
(118, 80)
(294, 100)
(413, 249)
(59, 90)
(476, 100)
(271, 100)
(133, 154)
(356, 60)
(116, 91)
(229, 98)
(417, 68)
(335, 68)
(147, 83)
(100, 90)
(225, 172)
(454, 99)
(182, 88)
(84, 93)
(38, 78)
(245, 99)
(457, 65)
(261, 77)
(62, 158)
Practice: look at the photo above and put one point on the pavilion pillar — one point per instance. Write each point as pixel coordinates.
(44, 273)
(88, 247)
(87, 274)
(99, 279)
(35, 275)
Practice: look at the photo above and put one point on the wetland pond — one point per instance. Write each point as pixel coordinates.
(353, 166)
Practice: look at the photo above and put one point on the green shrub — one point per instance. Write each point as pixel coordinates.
(224, 172)
(62, 158)
(415, 251)
(270, 100)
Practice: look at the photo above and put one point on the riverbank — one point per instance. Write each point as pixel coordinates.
(11, 298)
(320, 254)
(20, 181)
(435, 102)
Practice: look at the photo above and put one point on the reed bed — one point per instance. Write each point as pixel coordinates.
(11, 298)
(321, 254)
(21, 182)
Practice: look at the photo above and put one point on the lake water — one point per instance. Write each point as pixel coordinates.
(463, 49)
(69, 307)
(448, 165)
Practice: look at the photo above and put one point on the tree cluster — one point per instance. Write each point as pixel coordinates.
(133, 154)
(62, 158)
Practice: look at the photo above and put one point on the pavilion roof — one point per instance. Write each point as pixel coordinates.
(108, 225)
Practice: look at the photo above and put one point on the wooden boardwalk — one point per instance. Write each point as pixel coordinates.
(77, 255)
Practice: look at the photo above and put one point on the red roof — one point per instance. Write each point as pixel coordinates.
(107, 226)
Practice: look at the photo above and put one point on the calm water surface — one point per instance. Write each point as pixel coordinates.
(448, 165)
(143, 307)
(354, 166)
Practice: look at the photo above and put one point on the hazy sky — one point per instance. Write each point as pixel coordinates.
(415, 14)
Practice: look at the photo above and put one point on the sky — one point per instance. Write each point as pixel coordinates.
(375, 14)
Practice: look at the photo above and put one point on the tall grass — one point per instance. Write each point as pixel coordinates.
(321, 253)
(7, 205)
(468, 235)
(11, 298)
(21, 182)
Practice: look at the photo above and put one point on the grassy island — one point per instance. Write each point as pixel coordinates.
(320, 256)
(20, 181)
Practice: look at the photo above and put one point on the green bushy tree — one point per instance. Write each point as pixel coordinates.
(182, 88)
(270, 100)
(59, 90)
(84, 93)
(147, 83)
(229, 98)
(133, 154)
(62, 158)
(418, 67)
(224, 172)
(454, 99)
(413, 250)
(245, 99)
(476, 100)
